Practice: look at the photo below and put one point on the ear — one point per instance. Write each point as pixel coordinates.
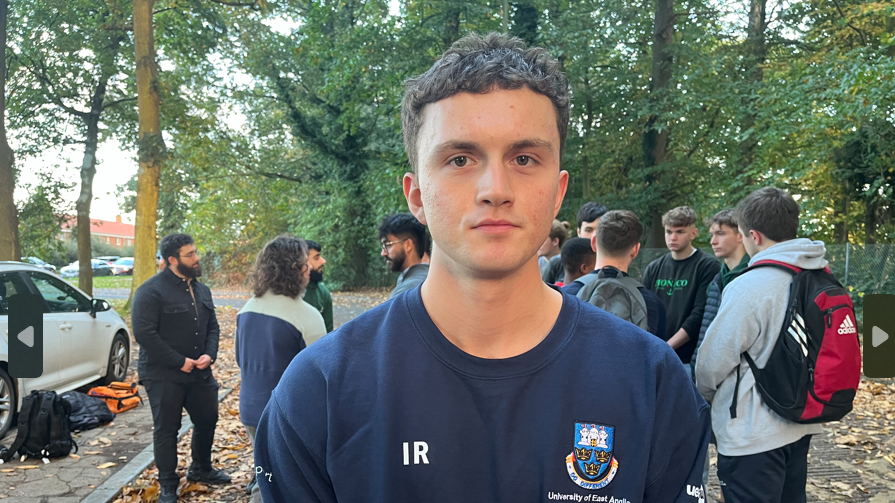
(635, 251)
(593, 243)
(739, 237)
(414, 197)
(756, 237)
(584, 268)
(554, 241)
(561, 192)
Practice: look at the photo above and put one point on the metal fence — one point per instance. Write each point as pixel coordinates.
(862, 269)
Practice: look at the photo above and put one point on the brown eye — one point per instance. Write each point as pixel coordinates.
(460, 161)
(522, 160)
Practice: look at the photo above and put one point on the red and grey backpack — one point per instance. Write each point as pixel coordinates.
(815, 367)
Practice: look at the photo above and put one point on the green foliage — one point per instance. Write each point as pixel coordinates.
(41, 217)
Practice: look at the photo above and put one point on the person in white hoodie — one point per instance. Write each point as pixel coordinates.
(762, 458)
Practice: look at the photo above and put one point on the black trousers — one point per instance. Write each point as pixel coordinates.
(167, 401)
(777, 476)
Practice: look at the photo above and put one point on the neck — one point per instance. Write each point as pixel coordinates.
(178, 274)
(569, 278)
(410, 260)
(502, 315)
(683, 253)
(604, 260)
(735, 258)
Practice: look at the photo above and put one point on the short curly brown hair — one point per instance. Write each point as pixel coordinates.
(279, 266)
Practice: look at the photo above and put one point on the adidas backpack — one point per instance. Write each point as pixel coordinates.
(43, 429)
(814, 369)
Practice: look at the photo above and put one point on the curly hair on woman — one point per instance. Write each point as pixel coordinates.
(280, 267)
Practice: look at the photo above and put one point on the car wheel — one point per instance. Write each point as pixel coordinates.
(7, 402)
(119, 357)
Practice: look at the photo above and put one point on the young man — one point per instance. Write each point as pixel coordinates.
(588, 217)
(761, 456)
(317, 294)
(727, 243)
(273, 327)
(616, 244)
(578, 260)
(485, 384)
(552, 268)
(177, 329)
(681, 280)
(404, 244)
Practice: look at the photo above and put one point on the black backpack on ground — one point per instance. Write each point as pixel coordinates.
(43, 429)
(87, 412)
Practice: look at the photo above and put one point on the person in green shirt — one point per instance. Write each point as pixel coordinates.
(317, 294)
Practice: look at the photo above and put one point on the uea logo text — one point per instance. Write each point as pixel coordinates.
(599, 498)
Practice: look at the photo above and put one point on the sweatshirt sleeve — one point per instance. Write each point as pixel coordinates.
(704, 275)
(648, 276)
(734, 330)
(680, 439)
(291, 439)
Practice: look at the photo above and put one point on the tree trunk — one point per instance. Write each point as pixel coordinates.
(451, 26)
(10, 249)
(655, 142)
(150, 145)
(755, 58)
(842, 225)
(88, 170)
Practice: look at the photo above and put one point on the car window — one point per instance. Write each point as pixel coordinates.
(60, 296)
(10, 284)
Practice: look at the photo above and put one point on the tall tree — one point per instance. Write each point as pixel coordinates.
(150, 144)
(9, 220)
(655, 137)
(71, 93)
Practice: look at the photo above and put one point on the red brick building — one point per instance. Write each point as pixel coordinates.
(114, 233)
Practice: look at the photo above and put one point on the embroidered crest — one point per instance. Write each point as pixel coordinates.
(591, 463)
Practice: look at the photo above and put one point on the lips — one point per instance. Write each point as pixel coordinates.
(489, 224)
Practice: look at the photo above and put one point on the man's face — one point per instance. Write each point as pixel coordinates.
(679, 238)
(316, 263)
(187, 262)
(725, 241)
(488, 185)
(588, 229)
(393, 251)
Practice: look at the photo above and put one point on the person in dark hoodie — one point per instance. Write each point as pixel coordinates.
(761, 456)
(681, 279)
(727, 243)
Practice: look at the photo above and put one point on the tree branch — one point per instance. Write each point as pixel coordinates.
(252, 4)
(118, 102)
(847, 22)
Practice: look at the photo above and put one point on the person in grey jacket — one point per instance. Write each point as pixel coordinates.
(761, 456)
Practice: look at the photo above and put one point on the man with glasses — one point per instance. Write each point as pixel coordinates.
(404, 244)
(174, 322)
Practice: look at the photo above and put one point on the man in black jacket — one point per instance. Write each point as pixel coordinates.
(174, 322)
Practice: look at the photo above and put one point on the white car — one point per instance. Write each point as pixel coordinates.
(84, 340)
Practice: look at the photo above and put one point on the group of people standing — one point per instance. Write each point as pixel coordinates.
(680, 300)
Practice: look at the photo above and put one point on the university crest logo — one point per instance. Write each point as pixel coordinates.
(591, 463)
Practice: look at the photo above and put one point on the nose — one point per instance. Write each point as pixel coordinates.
(322, 261)
(495, 185)
(384, 252)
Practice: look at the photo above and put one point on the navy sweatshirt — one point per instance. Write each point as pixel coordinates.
(386, 409)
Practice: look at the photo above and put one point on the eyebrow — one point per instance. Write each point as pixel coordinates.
(473, 146)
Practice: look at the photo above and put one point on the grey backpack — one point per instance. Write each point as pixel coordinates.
(618, 296)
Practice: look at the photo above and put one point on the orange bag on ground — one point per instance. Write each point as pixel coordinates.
(119, 396)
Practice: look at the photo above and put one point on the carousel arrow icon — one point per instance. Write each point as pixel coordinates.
(27, 337)
(878, 336)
